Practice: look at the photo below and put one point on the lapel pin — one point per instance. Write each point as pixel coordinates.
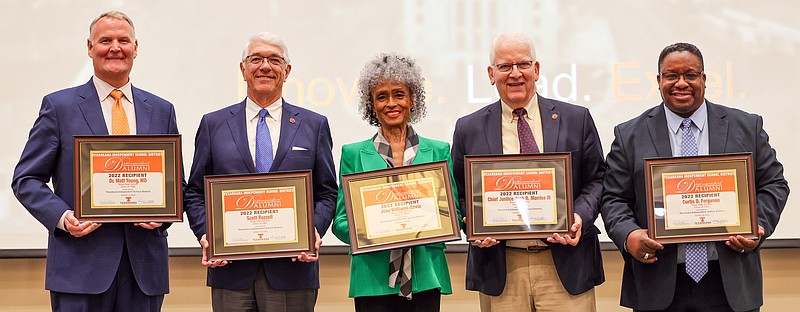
(291, 120)
(555, 116)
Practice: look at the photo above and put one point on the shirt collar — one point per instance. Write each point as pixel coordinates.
(699, 118)
(104, 89)
(532, 107)
(275, 109)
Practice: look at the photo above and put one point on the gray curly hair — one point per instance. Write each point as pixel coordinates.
(387, 67)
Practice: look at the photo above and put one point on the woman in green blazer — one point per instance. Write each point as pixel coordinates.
(392, 98)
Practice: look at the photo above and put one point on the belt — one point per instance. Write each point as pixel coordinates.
(534, 248)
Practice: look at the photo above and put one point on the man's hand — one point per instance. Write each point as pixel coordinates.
(482, 243)
(642, 247)
(567, 239)
(303, 257)
(77, 228)
(148, 225)
(741, 244)
(204, 260)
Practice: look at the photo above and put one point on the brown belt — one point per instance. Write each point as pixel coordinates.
(534, 248)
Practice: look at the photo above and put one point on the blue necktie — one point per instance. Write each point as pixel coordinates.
(696, 254)
(263, 144)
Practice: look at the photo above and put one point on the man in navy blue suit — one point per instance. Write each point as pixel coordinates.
(93, 266)
(242, 138)
(559, 273)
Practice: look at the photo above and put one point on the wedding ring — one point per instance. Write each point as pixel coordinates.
(646, 256)
(741, 251)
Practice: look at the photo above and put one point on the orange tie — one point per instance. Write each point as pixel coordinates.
(119, 120)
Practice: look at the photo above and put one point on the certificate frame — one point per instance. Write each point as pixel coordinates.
(128, 178)
(483, 222)
(693, 192)
(267, 201)
(414, 191)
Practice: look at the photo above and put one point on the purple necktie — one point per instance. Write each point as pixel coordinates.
(527, 144)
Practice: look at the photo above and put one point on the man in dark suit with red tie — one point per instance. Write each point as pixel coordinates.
(263, 133)
(94, 267)
(558, 274)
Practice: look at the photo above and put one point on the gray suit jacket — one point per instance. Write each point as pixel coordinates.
(624, 209)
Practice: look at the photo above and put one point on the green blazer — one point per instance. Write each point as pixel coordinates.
(369, 273)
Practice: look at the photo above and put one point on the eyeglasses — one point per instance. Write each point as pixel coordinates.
(257, 60)
(507, 67)
(674, 77)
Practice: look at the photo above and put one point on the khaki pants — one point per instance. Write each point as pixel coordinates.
(532, 284)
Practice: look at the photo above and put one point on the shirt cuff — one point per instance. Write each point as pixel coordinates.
(60, 224)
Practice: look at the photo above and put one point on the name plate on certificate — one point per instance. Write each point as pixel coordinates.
(400, 207)
(700, 198)
(128, 178)
(518, 196)
(254, 216)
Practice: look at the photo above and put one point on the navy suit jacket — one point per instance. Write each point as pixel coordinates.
(652, 286)
(221, 147)
(566, 128)
(87, 265)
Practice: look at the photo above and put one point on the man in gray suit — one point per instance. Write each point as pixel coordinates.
(655, 276)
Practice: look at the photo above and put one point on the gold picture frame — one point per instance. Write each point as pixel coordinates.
(128, 178)
(518, 196)
(700, 198)
(257, 216)
(400, 207)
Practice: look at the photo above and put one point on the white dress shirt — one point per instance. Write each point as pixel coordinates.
(273, 121)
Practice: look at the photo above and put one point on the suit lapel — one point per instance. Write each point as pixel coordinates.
(290, 122)
(659, 135)
(144, 111)
(424, 153)
(717, 129)
(493, 128)
(370, 159)
(237, 122)
(550, 122)
(89, 104)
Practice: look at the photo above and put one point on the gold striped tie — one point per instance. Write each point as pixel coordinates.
(119, 120)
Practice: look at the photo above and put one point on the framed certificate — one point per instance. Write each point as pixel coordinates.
(518, 196)
(400, 207)
(128, 178)
(700, 198)
(253, 216)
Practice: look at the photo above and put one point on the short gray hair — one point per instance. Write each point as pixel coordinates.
(390, 67)
(513, 36)
(116, 15)
(270, 39)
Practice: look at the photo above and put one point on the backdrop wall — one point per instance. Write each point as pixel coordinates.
(599, 55)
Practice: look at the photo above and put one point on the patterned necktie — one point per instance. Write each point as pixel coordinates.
(263, 143)
(119, 120)
(696, 254)
(527, 144)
